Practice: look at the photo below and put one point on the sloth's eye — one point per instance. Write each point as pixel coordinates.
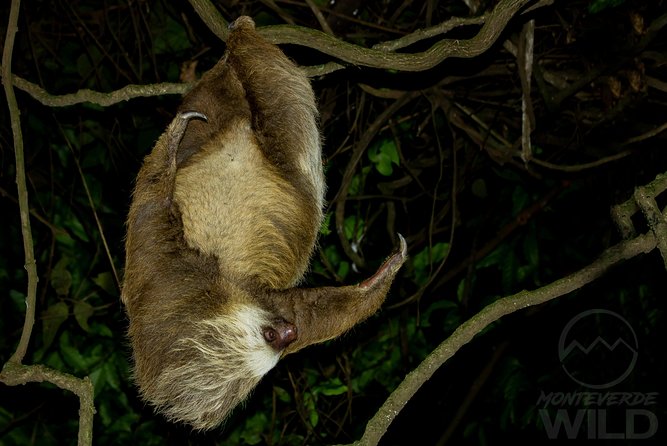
(270, 335)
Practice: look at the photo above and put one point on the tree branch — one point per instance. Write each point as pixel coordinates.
(14, 374)
(95, 97)
(495, 23)
(379, 424)
(24, 208)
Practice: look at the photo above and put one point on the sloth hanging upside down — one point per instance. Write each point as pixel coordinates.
(223, 221)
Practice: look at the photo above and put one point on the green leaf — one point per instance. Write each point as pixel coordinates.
(71, 223)
(600, 5)
(325, 226)
(53, 317)
(253, 429)
(106, 281)
(101, 329)
(71, 355)
(169, 36)
(282, 394)
(358, 180)
(61, 278)
(383, 156)
(531, 248)
(332, 387)
(111, 374)
(353, 227)
(460, 289)
(82, 312)
(423, 260)
(309, 403)
(343, 269)
(442, 304)
(336, 261)
(495, 257)
(18, 299)
(509, 270)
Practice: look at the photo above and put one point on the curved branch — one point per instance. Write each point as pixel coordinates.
(24, 208)
(13, 374)
(211, 18)
(427, 33)
(495, 23)
(95, 97)
(378, 425)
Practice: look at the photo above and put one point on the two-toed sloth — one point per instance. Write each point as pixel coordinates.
(223, 222)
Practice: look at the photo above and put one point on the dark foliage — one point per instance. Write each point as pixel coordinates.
(443, 170)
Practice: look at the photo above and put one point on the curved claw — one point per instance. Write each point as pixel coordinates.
(388, 270)
(176, 132)
(191, 115)
(403, 249)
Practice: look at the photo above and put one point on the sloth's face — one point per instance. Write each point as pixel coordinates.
(221, 362)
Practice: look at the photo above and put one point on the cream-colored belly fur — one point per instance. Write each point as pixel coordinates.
(235, 206)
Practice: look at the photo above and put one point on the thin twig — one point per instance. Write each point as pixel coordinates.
(95, 97)
(24, 208)
(320, 17)
(525, 66)
(359, 149)
(584, 166)
(91, 202)
(14, 372)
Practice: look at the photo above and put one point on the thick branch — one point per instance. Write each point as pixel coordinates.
(378, 425)
(495, 23)
(14, 374)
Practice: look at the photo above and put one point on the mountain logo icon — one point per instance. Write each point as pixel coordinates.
(598, 348)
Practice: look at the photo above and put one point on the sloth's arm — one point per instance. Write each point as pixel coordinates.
(324, 313)
(152, 236)
(282, 103)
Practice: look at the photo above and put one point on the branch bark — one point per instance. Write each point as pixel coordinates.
(495, 23)
(24, 209)
(379, 424)
(95, 97)
(14, 372)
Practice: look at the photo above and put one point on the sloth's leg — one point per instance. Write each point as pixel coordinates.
(282, 103)
(174, 135)
(320, 314)
(220, 96)
(152, 230)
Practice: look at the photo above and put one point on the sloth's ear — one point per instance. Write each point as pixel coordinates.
(320, 314)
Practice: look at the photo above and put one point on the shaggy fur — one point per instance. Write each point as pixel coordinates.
(222, 225)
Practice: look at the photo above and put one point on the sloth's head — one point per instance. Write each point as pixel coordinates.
(219, 364)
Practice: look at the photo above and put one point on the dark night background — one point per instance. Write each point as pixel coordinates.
(444, 170)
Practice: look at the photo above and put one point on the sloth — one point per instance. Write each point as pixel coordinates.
(223, 221)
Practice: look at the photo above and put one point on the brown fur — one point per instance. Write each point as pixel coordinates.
(222, 225)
